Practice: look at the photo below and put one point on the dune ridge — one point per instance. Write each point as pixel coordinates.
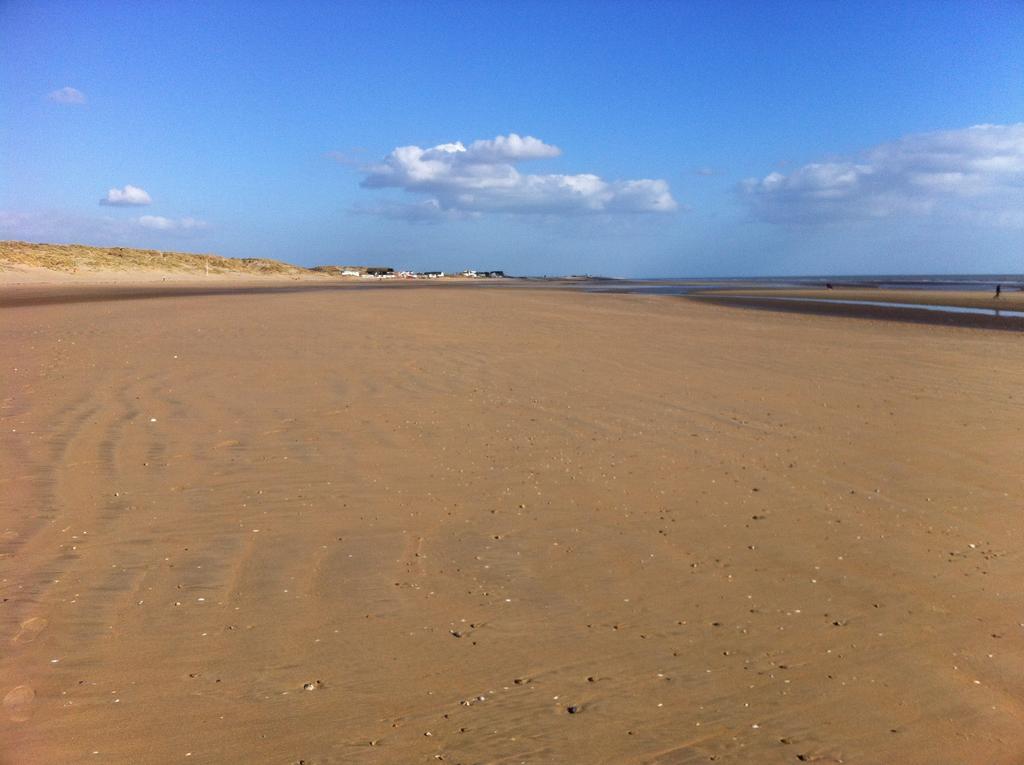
(72, 258)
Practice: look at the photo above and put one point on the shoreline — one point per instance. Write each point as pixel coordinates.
(962, 298)
(806, 303)
(67, 292)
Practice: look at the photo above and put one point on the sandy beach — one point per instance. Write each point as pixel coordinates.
(505, 526)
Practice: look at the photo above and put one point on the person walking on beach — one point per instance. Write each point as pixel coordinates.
(999, 290)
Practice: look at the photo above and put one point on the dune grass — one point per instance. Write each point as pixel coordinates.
(71, 258)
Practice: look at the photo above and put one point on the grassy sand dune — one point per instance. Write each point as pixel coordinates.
(74, 258)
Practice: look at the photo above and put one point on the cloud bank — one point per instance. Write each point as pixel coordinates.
(67, 95)
(63, 226)
(975, 175)
(483, 177)
(127, 197)
(423, 211)
(160, 223)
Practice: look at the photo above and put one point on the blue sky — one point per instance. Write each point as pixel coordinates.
(617, 138)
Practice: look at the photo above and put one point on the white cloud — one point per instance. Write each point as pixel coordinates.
(126, 197)
(975, 174)
(59, 226)
(160, 223)
(62, 226)
(511, 148)
(424, 211)
(67, 95)
(483, 178)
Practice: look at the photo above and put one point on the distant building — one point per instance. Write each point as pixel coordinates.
(362, 271)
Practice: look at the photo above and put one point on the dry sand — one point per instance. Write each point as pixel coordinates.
(456, 514)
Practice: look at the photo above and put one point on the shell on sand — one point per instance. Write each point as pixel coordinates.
(18, 703)
(30, 629)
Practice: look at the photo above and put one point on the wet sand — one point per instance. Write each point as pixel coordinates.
(503, 526)
(1009, 300)
(804, 301)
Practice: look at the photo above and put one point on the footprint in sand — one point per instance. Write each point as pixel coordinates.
(30, 629)
(18, 703)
